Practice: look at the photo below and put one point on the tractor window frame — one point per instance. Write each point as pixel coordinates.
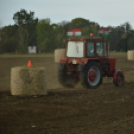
(90, 49)
(101, 49)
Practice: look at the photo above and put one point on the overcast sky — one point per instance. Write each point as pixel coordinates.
(104, 12)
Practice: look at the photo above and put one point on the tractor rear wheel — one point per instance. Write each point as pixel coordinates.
(66, 79)
(119, 80)
(91, 77)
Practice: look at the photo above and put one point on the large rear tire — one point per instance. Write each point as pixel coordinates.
(91, 77)
(66, 79)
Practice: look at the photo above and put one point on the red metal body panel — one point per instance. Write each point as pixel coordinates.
(111, 64)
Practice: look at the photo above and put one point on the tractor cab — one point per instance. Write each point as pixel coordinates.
(86, 47)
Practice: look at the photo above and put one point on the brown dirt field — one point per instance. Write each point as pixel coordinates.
(105, 110)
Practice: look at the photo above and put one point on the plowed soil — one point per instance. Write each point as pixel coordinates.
(105, 110)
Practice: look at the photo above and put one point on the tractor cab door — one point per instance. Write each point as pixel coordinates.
(90, 49)
(101, 55)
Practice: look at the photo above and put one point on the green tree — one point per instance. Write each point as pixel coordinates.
(115, 39)
(80, 22)
(23, 34)
(60, 36)
(8, 42)
(126, 28)
(27, 28)
(45, 36)
(85, 31)
(91, 29)
(94, 29)
(119, 37)
(131, 42)
(24, 18)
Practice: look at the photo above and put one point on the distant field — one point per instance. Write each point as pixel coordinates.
(118, 53)
(105, 110)
(27, 55)
(50, 55)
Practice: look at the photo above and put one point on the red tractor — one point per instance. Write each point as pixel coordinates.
(86, 60)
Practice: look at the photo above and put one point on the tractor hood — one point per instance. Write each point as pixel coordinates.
(68, 60)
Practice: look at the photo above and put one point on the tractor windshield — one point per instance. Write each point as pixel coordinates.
(75, 49)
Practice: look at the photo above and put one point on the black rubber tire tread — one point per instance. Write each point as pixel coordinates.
(116, 82)
(84, 73)
(65, 80)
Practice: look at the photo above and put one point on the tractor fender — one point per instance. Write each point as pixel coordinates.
(61, 66)
(82, 66)
(115, 74)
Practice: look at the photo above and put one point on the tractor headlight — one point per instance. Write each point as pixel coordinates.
(74, 61)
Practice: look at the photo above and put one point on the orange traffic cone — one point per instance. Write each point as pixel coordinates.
(29, 63)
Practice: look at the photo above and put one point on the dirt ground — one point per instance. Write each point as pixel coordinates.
(105, 110)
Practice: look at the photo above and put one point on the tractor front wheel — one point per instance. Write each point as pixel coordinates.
(91, 77)
(119, 79)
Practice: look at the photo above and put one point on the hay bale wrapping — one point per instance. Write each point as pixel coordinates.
(130, 55)
(58, 54)
(28, 81)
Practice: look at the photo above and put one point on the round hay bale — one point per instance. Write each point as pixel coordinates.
(130, 55)
(28, 81)
(58, 54)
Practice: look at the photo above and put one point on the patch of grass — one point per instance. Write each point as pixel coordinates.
(117, 53)
(26, 55)
(4, 95)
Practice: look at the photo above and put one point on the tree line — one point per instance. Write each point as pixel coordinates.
(47, 36)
